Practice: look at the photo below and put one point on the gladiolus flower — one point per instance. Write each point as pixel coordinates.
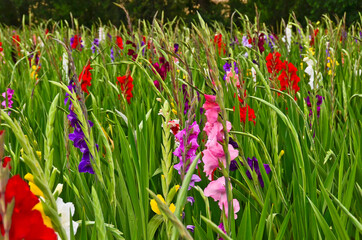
(289, 78)
(219, 44)
(154, 205)
(8, 102)
(188, 149)
(119, 42)
(253, 164)
(85, 77)
(216, 189)
(126, 84)
(64, 210)
(214, 152)
(76, 42)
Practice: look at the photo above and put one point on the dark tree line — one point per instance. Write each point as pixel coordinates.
(90, 11)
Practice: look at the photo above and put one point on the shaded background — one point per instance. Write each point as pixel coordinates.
(90, 11)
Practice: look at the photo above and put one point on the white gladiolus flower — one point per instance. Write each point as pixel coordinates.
(65, 65)
(102, 35)
(288, 36)
(64, 210)
(309, 70)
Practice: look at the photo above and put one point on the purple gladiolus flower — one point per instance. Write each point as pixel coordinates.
(175, 47)
(94, 45)
(190, 227)
(187, 149)
(253, 164)
(186, 98)
(319, 103)
(112, 54)
(190, 200)
(78, 137)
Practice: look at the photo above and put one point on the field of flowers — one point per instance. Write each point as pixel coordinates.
(166, 131)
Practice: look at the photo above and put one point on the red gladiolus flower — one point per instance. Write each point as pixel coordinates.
(289, 78)
(6, 162)
(76, 42)
(85, 78)
(314, 35)
(219, 43)
(246, 110)
(126, 84)
(26, 223)
(16, 43)
(1, 49)
(119, 42)
(273, 63)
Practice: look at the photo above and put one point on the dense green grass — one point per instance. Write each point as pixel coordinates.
(314, 189)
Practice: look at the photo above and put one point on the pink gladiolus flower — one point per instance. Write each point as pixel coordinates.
(214, 153)
(216, 189)
(212, 108)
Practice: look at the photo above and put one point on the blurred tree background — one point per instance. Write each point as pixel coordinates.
(90, 11)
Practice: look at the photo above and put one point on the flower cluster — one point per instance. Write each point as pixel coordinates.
(310, 70)
(214, 154)
(132, 51)
(331, 64)
(186, 98)
(16, 43)
(119, 42)
(85, 77)
(8, 96)
(126, 84)
(288, 78)
(78, 137)
(95, 44)
(319, 103)
(161, 68)
(26, 222)
(186, 151)
(76, 42)
(314, 35)
(219, 44)
(214, 151)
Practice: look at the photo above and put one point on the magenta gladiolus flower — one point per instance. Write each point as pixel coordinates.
(216, 189)
(188, 149)
(8, 102)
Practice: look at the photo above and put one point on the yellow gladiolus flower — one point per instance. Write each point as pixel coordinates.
(33, 188)
(155, 208)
